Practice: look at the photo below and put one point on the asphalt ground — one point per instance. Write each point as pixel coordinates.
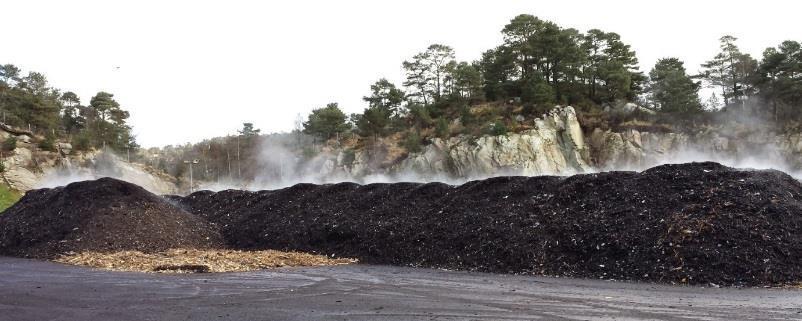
(39, 290)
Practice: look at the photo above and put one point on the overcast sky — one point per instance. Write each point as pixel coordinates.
(196, 69)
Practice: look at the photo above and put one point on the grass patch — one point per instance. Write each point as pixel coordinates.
(8, 197)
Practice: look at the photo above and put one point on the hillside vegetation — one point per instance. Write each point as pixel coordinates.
(539, 65)
(50, 114)
(8, 197)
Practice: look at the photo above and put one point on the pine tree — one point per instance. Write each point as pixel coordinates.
(729, 70)
(326, 122)
(671, 89)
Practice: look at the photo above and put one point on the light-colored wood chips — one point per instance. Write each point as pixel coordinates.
(171, 261)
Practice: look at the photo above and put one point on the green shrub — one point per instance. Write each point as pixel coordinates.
(538, 92)
(497, 129)
(536, 110)
(10, 143)
(412, 143)
(8, 197)
(49, 143)
(441, 128)
(81, 142)
(466, 117)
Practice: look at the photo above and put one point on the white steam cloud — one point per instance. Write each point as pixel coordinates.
(106, 164)
(288, 159)
(741, 142)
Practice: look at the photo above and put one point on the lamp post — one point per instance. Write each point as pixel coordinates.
(190, 172)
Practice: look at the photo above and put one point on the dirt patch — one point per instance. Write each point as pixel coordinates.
(696, 223)
(198, 261)
(105, 215)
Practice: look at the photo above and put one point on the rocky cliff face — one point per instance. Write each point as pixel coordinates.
(557, 146)
(635, 150)
(29, 167)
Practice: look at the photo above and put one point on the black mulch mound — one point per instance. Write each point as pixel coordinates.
(693, 223)
(103, 215)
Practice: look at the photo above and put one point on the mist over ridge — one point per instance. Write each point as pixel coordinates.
(548, 100)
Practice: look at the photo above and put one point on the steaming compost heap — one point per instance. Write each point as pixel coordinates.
(695, 223)
(105, 215)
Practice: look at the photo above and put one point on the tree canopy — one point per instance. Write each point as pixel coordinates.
(326, 122)
(778, 79)
(672, 90)
(730, 70)
(30, 102)
(540, 63)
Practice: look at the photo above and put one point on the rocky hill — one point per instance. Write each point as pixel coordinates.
(558, 144)
(27, 166)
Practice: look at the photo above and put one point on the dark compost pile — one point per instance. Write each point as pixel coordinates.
(105, 215)
(692, 223)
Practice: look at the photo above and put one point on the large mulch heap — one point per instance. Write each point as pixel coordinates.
(192, 260)
(105, 215)
(695, 223)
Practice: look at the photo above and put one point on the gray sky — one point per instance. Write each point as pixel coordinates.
(196, 69)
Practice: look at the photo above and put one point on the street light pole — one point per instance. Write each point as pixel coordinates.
(239, 166)
(190, 172)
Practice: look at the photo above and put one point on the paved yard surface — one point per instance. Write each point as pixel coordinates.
(36, 290)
